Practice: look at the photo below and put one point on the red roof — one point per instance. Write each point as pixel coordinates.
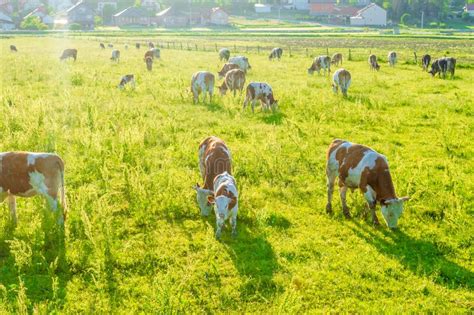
(470, 7)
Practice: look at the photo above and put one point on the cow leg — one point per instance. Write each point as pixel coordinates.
(253, 106)
(343, 192)
(245, 102)
(219, 225)
(331, 178)
(12, 206)
(233, 222)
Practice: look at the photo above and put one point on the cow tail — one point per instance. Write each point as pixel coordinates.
(63, 189)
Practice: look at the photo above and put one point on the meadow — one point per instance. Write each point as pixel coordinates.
(134, 240)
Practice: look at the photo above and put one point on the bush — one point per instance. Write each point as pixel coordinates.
(33, 23)
(75, 27)
(466, 17)
(405, 19)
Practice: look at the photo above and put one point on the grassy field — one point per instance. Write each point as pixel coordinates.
(134, 240)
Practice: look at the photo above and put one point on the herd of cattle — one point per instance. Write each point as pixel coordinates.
(27, 174)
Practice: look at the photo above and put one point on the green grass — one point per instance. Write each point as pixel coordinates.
(135, 241)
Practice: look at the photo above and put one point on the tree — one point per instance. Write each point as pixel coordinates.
(33, 23)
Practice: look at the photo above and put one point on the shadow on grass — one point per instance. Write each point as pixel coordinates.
(212, 106)
(272, 118)
(46, 275)
(422, 257)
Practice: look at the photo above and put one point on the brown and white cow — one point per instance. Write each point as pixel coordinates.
(276, 53)
(226, 68)
(202, 82)
(127, 79)
(392, 58)
(115, 55)
(102, 45)
(358, 166)
(374, 65)
(156, 52)
(242, 62)
(336, 59)
(150, 54)
(27, 174)
(224, 54)
(149, 63)
(151, 45)
(259, 91)
(13, 48)
(321, 62)
(69, 53)
(234, 80)
(215, 165)
(341, 79)
(425, 62)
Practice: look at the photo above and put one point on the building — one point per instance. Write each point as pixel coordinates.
(263, 8)
(196, 16)
(322, 7)
(371, 15)
(81, 13)
(6, 22)
(42, 13)
(302, 5)
(6, 6)
(218, 16)
(469, 8)
(134, 16)
(172, 17)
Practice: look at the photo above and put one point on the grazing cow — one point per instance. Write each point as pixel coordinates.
(425, 62)
(224, 54)
(215, 165)
(13, 48)
(149, 63)
(358, 166)
(102, 45)
(126, 79)
(242, 62)
(202, 82)
(126, 46)
(392, 58)
(321, 62)
(234, 80)
(226, 68)
(341, 79)
(442, 66)
(336, 59)
(374, 65)
(276, 53)
(27, 174)
(156, 52)
(261, 92)
(110, 46)
(115, 55)
(69, 53)
(137, 45)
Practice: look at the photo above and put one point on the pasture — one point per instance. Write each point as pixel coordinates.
(134, 240)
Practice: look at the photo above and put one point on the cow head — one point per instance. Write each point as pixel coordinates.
(392, 210)
(201, 196)
(435, 68)
(223, 204)
(223, 89)
(316, 66)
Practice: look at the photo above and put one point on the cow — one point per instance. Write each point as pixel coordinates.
(27, 174)
(341, 79)
(156, 52)
(234, 80)
(392, 58)
(115, 55)
(13, 48)
(110, 46)
(137, 45)
(336, 59)
(149, 63)
(102, 45)
(219, 188)
(126, 46)
(358, 166)
(69, 53)
(226, 68)
(202, 82)
(242, 62)
(373, 63)
(126, 79)
(258, 91)
(224, 54)
(275, 53)
(425, 62)
(442, 66)
(151, 45)
(321, 62)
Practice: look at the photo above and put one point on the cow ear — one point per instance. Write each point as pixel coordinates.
(403, 199)
(211, 199)
(233, 202)
(196, 187)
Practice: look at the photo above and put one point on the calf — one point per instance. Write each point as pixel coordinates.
(102, 45)
(341, 79)
(202, 82)
(110, 46)
(115, 55)
(276, 53)
(156, 52)
(392, 58)
(149, 63)
(321, 62)
(137, 45)
(234, 80)
(261, 92)
(224, 54)
(336, 59)
(425, 62)
(373, 63)
(27, 174)
(126, 79)
(13, 48)
(242, 62)
(215, 165)
(69, 53)
(126, 46)
(226, 68)
(442, 66)
(358, 166)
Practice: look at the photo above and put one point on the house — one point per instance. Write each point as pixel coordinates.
(322, 7)
(195, 16)
(469, 8)
(217, 16)
(371, 15)
(81, 13)
(263, 8)
(134, 16)
(6, 22)
(42, 13)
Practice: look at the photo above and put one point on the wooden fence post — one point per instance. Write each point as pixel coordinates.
(258, 50)
(327, 51)
(196, 47)
(289, 48)
(350, 55)
(306, 52)
(216, 47)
